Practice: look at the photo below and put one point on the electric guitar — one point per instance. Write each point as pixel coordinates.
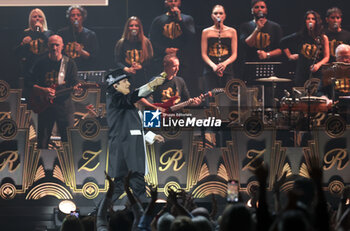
(170, 105)
(38, 100)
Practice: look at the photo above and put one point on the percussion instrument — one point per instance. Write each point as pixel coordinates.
(317, 104)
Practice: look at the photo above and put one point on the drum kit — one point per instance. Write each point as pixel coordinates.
(293, 109)
(305, 105)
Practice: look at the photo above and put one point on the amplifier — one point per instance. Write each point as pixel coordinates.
(92, 76)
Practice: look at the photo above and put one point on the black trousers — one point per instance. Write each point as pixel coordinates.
(60, 112)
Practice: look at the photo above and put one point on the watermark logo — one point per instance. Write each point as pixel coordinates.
(151, 119)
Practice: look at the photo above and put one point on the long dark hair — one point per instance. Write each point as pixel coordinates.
(318, 29)
(147, 51)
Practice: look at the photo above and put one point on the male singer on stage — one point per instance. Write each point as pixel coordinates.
(172, 32)
(260, 37)
(126, 136)
(54, 69)
(80, 43)
(335, 33)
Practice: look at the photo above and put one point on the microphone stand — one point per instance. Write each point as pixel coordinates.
(219, 41)
(318, 48)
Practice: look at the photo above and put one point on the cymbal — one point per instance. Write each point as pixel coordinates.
(273, 79)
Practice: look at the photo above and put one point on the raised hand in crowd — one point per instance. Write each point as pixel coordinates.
(128, 192)
(344, 201)
(145, 222)
(321, 208)
(214, 207)
(177, 209)
(263, 216)
(276, 189)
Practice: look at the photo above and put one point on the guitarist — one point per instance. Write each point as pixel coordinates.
(173, 86)
(54, 69)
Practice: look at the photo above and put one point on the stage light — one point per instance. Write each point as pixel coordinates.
(67, 206)
(249, 203)
(160, 201)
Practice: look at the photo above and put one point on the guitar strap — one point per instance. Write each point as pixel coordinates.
(63, 70)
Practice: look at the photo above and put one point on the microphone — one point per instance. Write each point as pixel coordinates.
(133, 32)
(310, 25)
(175, 13)
(260, 15)
(335, 26)
(218, 19)
(76, 23)
(37, 28)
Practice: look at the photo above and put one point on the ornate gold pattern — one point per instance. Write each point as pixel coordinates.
(89, 156)
(311, 156)
(57, 173)
(171, 185)
(89, 128)
(8, 129)
(40, 173)
(90, 190)
(336, 155)
(278, 164)
(303, 171)
(286, 168)
(336, 187)
(287, 186)
(335, 126)
(204, 172)
(195, 161)
(151, 177)
(170, 157)
(7, 191)
(253, 127)
(232, 88)
(49, 189)
(208, 188)
(81, 96)
(222, 172)
(10, 159)
(252, 188)
(4, 90)
(231, 160)
(253, 155)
